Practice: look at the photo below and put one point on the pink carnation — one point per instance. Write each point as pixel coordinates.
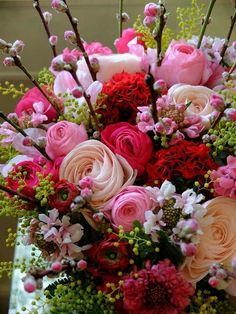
(224, 179)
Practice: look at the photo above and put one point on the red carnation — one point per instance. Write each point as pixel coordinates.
(121, 97)
(65, 193)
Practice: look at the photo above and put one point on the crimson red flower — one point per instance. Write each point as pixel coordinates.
(158, 290)
(121, 97)
(127, 141)
(65, 193)
(186, 160)
(108, 256)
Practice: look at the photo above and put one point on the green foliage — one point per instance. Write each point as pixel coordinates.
(7, 152)
(10, 89)
(45, 77)
(189, 20)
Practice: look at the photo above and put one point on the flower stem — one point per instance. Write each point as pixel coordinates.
(206, 22)
(150, 81)
(79, 41)
(20, 130)
(12, 192)
(120, 17)
(158, 36)
(87, 98)
(33, 80)
(217, 120)
(225, 46)
(36, 5)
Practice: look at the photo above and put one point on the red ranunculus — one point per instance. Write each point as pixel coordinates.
(121, 96)
(127, 141)
(65, 193)
(25, 105)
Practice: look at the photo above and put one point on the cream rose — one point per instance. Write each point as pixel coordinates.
(200, 96)
(110, 173)
(218, 241)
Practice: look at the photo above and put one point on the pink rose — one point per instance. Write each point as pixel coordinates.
(184, 64)
(216, 77)
(128, 34)
(63, 136)
(26, 105)
(127, 141)
(130, 205)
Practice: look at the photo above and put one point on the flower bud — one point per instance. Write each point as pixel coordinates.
(57, 64)
(86, 182)
(221, 274)
(160, 86)
(86, 193)
(217, 102)
(152, 9)
(188, 249)
(95, 64)
(42, 141)
(149, 21)
(3, 44)
(82, 264)
(56, 266)
(27, 141)
(13, 117)
(59, 5)
(18, 46)
(230, 114)
(30, 284)
(47, 17)
(98, 217)
(125, 17)
(191, 226)
(145, 116)
(8, 61)
(53, 40)
(77, 92)
(213, 282)
(70, 37)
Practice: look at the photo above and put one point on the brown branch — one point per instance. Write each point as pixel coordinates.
(225, 46)
(217, 120)
(158, 37)
(39, 10)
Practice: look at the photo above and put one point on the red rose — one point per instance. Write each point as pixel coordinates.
(110, 257)
(127, 141)
(65, 193)
(25, 105)
(24, 178)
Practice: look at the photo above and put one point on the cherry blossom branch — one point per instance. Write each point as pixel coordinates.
(217, 120)
(12, 192)
(38, 274)
(158, 36)
(36, 5)
(226, 44)
(79, 42)
(150, 81)
(20, 130)
(206, 22)
(120, 17)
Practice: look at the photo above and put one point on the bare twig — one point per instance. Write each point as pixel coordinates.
(120, 17)
(232, 24)
(158, 36)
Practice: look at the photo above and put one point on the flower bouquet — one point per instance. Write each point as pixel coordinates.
(121, 168)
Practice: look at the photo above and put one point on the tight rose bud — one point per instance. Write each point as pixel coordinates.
(217, 102)
(152, 9)
(149, 21)
(56, 266)
(8, 61)
(47, 17)
(30, 284)
(53, 40)
(82, 264)
(59, 5)
(70, 37)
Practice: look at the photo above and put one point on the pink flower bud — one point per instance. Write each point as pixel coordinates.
(221, 273)
(18, 45)
(77, 92)
(27, 141)
(86, 182)
(8, 61)
(125, 17)
(149, 21)
(213, 282)
(98, 217)
(30, 284)
(95, 64)
(53, 40)
(59, 5)
(160, 86)
(188, 249)
(191, 226)
(57, 64)
(70, 37)
(145, 116)
(96, 134)
(13, 117)
(230, 114)
(233, 264)
(42, 141)
(82, 264)
(217, 102)
(41, 160)
(152, 9)
(56, 266)
(213, 269)
(47, 17)
(86, 193)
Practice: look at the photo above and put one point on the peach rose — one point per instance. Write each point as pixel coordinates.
(200, 97)
(109, 172)
(217, 243)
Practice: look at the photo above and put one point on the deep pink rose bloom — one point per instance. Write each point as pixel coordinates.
(127, 141)
(25, 105)
(184, 63)
(130, 205)
(128, 34)
(62, 137)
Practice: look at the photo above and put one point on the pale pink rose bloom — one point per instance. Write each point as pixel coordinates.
(200, 97)
(109, 65)
(217, 241)
(130, 205)
(110, 173)
(63, 136)
(184, 63)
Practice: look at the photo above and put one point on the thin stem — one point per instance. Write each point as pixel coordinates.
(232, 68)
(20, 130)
(87, 98)
(150, 81)
(12, 192)
(217, 120)
(39, 10)
(232, 24)
(120, 17)
(33, 80)
(79, 41)
(206, 22)
(158, 36)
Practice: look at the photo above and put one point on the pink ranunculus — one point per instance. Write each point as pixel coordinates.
(26, 105)
(130, 205)
(63, 136)
(184, 63)
(216, 77)
(97, 48)
(128, 34)
(127, 141)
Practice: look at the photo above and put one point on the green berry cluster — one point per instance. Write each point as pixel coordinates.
(11, 89)
(7, 152)
(45, 77)
(44, 189)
